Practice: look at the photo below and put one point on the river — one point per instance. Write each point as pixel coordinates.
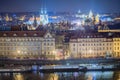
(92, 75)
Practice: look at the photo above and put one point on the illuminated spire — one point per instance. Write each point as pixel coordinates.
(42, 11)
(90, 14)
(79, 11)
(45, 11)
(43, 14)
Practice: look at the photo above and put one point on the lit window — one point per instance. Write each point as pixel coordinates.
(14, 34)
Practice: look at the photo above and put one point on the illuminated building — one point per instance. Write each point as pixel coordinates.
(44, 17)
(106, 18)
(90, 14)
(7, 18)
(97, 19)
(116, 46)
(89, 19)
(27, 45)
(22, 18)
(90, 46)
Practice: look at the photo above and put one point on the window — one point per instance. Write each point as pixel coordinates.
(35, 34)
(51, 44)
(44, 44)
(118, 48)
(48, 52)
(73, 44)
(14, 34)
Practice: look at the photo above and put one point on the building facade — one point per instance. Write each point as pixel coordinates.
(91, 46)
(44, 45)
(27, 44)
(116, 47)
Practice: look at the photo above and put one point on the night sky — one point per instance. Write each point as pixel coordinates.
(103, 6)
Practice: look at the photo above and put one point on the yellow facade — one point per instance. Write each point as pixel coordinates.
(116, 47)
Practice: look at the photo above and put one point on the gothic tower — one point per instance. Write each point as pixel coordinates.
(43, 15)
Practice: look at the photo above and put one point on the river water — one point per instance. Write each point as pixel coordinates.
(92, 75)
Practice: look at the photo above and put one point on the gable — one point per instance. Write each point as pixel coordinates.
(48, 35)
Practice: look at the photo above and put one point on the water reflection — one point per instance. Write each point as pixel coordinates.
(52, 77)
(116, 75)
(108, 75)
(18, 77)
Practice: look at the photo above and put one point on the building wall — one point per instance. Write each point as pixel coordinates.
(27, 47)
(116, 47)
(48, 46)
(73, 47)
(91, 47)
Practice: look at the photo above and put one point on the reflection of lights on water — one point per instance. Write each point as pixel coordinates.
(18, 77)
(41, 74)
(53, 77)
(90, 77)
(98, 75)
(34, 67)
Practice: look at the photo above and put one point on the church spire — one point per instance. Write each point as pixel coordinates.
(43, 14)
(90, 14)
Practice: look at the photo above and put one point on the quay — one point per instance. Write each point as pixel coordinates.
(76, 68)
(15, 70)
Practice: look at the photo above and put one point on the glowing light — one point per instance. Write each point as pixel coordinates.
(78, 23)
(90, 51)
(18, 51)
(90, 14)
(44, 17)
(18, 77)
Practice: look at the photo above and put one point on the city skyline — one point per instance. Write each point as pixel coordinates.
(100, 6)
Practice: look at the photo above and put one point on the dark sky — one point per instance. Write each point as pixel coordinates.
(60, 5)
